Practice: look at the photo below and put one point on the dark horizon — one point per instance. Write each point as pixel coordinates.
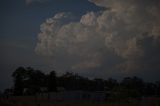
(117, 79)
(29, 81)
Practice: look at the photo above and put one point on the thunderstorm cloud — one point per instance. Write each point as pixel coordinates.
(124, 38)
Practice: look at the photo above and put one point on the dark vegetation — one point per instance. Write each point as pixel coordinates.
(28, 81)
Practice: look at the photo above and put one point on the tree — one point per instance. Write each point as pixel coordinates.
(111, 83)
(71, 81)
(28, 81)
(52, 83)
(134, 83)
(158, 88)
(98, 84)
(36, 80)
(150, 89)
(19, 76)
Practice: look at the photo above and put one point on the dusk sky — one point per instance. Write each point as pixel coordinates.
(95, 38)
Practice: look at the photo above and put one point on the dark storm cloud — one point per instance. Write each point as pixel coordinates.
(127, 35)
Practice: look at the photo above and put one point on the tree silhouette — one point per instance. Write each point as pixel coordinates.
(29, 81)
(36, 80)
(19, 76)
(52, 83)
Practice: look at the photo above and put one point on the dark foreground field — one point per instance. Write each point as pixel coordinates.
(32, 101)
(69, 104)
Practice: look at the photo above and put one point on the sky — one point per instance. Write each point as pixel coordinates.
(95, 38)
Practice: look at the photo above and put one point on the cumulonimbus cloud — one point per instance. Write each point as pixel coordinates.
(130, 29)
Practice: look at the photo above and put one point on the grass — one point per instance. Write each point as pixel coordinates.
(31, 101)
(67, 104)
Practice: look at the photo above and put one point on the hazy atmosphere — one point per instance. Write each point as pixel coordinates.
(95, 38)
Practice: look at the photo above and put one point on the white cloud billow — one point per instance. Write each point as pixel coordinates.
(124, 30)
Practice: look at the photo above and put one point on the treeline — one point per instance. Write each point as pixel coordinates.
(28, 81)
